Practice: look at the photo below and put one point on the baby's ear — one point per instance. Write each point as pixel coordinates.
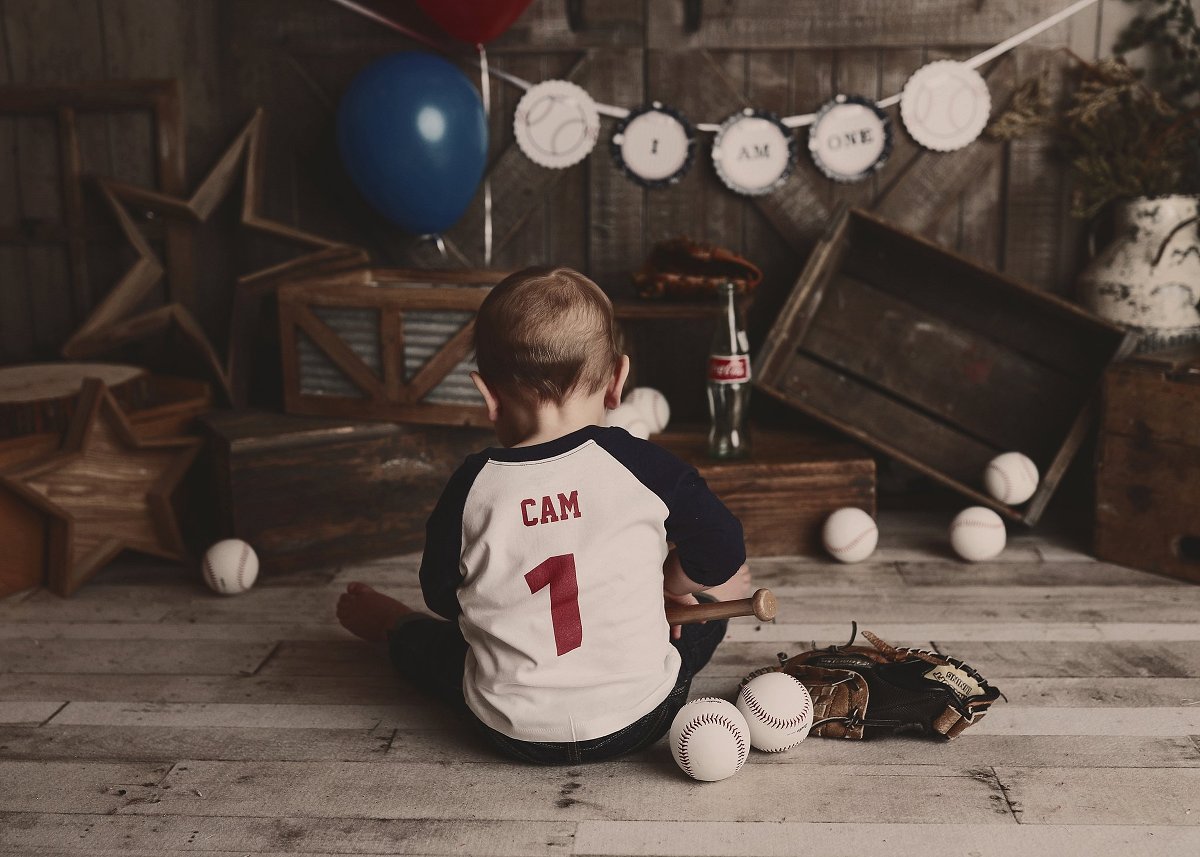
(489, 398)
(612, 395)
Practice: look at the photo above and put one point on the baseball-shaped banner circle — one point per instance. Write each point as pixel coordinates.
(710, 739)
(1011, 477)
(230, 567)
(977, 534)
(654, 145)
(556, 124)
(945, 105)
(778, 710)
(753, 152)
(850, 138)
(850, 535)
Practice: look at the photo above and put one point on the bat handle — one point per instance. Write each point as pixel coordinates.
(762, 605)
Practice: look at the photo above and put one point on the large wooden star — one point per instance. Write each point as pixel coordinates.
(112, 490)
(114, 322)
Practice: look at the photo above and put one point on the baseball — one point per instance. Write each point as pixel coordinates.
(850, 535)
(230, 567)
(1011, 478)
(653, 406)
(629, 418)
(778, 710)
(977, 534)
(709, 739)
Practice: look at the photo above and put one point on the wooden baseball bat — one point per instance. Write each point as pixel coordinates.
(762, 605)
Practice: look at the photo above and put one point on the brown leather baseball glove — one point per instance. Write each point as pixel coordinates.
(683, 269)
(861, 692)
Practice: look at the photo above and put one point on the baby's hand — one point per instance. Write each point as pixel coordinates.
(689, 598)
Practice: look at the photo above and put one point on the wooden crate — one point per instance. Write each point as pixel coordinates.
(1148, 467)
(935, 360)
(787, 487)
(307, 491)
(383, 345)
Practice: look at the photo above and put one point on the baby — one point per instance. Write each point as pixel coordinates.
(548, 557)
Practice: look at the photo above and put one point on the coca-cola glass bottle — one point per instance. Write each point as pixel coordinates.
(729, 381)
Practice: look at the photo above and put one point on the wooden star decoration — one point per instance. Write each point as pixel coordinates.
(111, 323)
(114, 322)
(112, 490)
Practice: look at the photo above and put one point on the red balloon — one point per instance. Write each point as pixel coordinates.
(474, 21)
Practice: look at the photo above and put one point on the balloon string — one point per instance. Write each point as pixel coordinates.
(797, 121)
(372, 15)
(485, 88)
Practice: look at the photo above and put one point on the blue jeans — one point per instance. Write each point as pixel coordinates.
(431, 652)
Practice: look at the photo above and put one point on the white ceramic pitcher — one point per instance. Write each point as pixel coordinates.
(1148, 278)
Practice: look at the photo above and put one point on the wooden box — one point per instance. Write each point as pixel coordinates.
(306, 491)
(1148, 467)
(383, 345)
(935, 360)
(787, 487)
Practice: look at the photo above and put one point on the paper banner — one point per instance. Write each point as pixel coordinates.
(556, 124)
(753, 152)
(654, 145)
(945, 105)
(850, 138)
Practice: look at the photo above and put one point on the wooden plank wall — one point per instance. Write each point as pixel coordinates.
(295, 57)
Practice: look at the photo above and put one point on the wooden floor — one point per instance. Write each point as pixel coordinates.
(147, 716)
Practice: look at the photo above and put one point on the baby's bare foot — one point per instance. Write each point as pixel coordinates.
(738, 586)
(368, 613)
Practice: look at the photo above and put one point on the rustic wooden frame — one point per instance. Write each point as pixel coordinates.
(114, 323)
(388, 397)
(163, 100)
(803, 364)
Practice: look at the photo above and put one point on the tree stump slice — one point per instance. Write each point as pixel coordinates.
(41, 397)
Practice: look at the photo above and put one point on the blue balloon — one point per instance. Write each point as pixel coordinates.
(413, 137)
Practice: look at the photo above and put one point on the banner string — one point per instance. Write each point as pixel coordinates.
(797, 121)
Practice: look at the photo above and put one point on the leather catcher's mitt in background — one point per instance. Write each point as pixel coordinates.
(683, 269)
(861, 692)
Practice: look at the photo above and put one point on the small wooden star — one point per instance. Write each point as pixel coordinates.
(112, 490)
(111, 324)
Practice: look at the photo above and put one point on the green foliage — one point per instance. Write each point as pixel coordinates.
(1123, 136)
(1127, 138)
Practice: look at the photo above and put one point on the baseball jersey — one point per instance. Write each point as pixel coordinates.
(550, 558)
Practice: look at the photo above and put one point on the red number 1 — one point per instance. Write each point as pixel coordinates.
(558, 573)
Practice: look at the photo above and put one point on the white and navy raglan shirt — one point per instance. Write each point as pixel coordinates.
(550, 557)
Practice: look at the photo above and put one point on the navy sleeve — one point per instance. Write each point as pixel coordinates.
(707, 536)
(440, 564)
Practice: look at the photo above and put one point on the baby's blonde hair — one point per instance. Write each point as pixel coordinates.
(544, 333)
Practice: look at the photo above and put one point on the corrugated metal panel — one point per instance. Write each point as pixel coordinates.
(425, 331)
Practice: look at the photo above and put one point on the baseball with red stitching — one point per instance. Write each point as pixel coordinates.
(710, 739)
(230, 567)
(850, 535)
(977, 534)
(777, 709)
(1011, 478)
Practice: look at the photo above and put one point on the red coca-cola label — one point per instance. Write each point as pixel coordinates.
(729, 368)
